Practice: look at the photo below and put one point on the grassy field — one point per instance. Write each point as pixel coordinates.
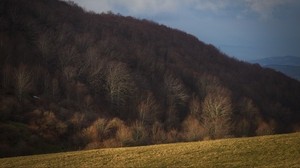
(265, 151)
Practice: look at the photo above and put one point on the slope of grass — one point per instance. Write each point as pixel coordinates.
(265, 151)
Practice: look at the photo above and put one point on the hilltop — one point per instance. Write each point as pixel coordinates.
(73, 80)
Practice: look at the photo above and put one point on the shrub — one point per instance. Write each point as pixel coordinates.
(139, 134)
(158, 133)
(93, 145)
(9, 107)
(97, 131)
(192, 130)
(265, 128)
(124, 135)
(103, 133)
(77, 121)
(111, 143)
(243, 127)
(47, 125)
(172, 136)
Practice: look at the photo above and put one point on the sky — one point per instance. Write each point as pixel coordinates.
(244, 29)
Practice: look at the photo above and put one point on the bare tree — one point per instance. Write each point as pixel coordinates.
(45, 44)
(6, 81)
(217, 111)
(69, 72)
(119, 84)
(176, 92)
(55, 89)
(195, 108)
(192, 129)
(92, 60)
(148, 110)
(175, 97)
(207, 83)
(67, 55)
(94, 68)
(83, 41)
(248, 118)
(23, 81)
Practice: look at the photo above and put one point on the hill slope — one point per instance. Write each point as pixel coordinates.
(77, 80)
(288, 65)
(289, 70)
(266, 151)
(284, 60)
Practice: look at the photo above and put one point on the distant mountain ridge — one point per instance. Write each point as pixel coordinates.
(283, 60)
(289, 65)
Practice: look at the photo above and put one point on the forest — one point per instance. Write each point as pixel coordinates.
(72, 79)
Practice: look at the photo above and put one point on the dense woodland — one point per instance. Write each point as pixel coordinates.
(72, 79)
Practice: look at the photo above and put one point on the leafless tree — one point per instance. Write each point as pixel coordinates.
(119, 84)
(55, 89)
(23, 81)
(217, 111)
(94, 68)
(192, 129)
(148, 109)
(83, 41)
(195, 108)
(176, 92)
(69, 72)
(45, 44)
(207, 83)
(92, 60)
(248, 118)
(67, 55)
(175, 97)
(7, 73)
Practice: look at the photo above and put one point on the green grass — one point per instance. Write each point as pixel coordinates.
(266, 151)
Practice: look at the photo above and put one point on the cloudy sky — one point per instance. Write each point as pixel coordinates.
(245, 29)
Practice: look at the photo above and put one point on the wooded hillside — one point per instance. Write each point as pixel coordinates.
(72, 80)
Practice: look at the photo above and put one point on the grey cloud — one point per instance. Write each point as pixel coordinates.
(263, 8)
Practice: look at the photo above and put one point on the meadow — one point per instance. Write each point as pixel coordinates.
(264, 151)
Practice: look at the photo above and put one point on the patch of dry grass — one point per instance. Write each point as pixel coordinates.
(265, 151)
